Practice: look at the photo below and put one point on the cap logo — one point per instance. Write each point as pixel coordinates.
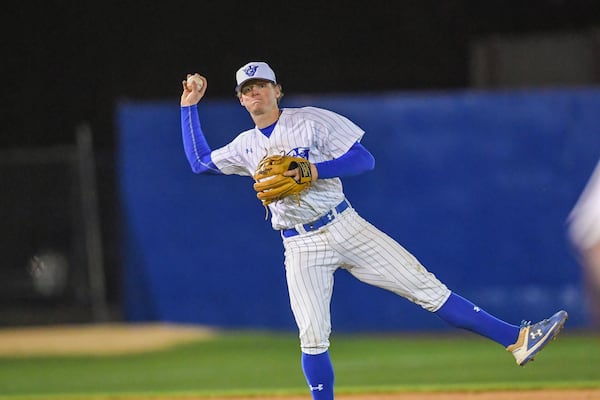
(250, 70)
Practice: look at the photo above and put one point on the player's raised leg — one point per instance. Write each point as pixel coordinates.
(386, 264)
(524, 341)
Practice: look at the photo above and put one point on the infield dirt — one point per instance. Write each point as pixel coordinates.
(583, 394)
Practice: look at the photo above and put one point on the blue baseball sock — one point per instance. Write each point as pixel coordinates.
(319, 375)
(463, 314)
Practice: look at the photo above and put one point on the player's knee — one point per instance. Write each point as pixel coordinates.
(314, 345)
(313, 350)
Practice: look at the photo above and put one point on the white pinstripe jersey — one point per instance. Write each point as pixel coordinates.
(309, 132)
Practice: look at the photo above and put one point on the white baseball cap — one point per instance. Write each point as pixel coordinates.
(254, 70)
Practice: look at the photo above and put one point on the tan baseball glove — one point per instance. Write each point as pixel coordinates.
(270, 183)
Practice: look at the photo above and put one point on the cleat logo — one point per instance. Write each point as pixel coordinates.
(319, 387)
(476, 309)
(535, 334)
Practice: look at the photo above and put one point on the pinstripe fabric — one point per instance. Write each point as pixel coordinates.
(318, 134)
(352, 243)
(347, 242)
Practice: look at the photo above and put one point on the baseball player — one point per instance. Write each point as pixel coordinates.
(320, 229)
(584, 233)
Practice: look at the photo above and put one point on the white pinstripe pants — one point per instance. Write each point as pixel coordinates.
(352, 243)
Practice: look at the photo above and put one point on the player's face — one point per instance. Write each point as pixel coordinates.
(259, 96)
(252, 84)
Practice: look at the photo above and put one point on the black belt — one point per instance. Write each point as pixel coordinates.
(318, 223)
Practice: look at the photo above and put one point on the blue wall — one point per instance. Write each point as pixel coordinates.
(477, 185)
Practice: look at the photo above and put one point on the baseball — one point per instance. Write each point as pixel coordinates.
(197, 79)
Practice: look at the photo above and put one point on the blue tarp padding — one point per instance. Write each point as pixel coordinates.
(477, 185)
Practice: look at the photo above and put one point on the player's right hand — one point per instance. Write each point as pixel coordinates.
(190, 94)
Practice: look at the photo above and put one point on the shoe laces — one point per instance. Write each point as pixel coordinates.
(525, 324)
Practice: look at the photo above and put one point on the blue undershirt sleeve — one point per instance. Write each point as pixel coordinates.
(355, 161)
(196, 148)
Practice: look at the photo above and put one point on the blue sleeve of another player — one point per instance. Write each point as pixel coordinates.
(196, 148)
(355, 161)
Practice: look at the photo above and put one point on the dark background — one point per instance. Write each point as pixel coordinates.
(69, 62)
(65, 62)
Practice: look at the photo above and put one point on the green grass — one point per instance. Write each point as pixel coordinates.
(254, 363)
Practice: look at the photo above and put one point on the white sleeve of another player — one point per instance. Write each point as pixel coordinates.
(584, 219)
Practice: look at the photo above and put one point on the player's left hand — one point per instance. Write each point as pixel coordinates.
(296, 174)
(278, 176)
